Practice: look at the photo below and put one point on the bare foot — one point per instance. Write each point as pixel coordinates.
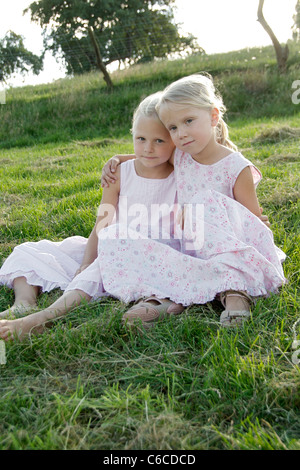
(17, 309)
(37, 322)
(19, 328)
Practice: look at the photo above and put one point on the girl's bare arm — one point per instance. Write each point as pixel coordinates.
(245, 193)
(106, 211)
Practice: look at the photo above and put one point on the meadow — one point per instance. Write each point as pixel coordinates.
(89, 384)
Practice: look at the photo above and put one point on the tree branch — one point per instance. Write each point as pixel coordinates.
(100, 63)
(281, 53)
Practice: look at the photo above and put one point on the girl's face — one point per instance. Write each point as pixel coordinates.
(191, 129)
(153, 145)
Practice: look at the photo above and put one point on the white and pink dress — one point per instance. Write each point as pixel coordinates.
(238, 250)
(53, 265)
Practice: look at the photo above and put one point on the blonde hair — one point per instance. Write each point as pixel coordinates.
(198, 90)
(147, 108)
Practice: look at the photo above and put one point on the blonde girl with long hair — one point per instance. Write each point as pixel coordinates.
(237, 259)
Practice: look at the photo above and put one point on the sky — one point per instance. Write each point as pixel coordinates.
(219, 25)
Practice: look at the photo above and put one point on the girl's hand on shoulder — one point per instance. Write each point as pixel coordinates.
(110, 168)
(108, 171)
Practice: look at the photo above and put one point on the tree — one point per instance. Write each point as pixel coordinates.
(91, 34)
(296, 18)
(14, 57)
(282, 52)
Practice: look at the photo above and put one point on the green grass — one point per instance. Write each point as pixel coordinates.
(87, 383)
(250, 87)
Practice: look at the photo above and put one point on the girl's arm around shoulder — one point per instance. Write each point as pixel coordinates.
(109, 202)
(109, 170)
(245, 193)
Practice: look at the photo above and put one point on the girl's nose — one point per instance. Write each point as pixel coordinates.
(181, 132)
(149, 148)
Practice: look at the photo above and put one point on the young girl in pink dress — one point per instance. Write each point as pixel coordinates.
(73, 265)
(232, 256)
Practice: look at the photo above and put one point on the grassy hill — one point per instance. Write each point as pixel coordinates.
(187, 384)
(247, 79)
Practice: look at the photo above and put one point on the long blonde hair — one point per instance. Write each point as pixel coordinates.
(147, 108)
(198, 90)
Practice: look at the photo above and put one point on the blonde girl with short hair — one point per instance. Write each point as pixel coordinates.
(76, 264)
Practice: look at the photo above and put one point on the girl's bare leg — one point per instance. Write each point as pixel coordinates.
(25, 298)
(36, 322)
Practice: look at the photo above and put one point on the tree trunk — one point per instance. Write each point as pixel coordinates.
(282, 53)
(100, 63)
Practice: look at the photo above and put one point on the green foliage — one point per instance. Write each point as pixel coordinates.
(14, 57)
(296, 17)
(125, 31)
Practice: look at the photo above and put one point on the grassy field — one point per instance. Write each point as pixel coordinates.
(87, 383)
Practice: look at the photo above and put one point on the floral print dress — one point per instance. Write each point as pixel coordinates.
(223, 245)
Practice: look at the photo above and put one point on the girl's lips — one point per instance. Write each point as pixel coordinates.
(187, 143)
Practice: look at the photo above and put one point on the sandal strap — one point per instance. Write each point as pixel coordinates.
(157, 311)
(145, 302)
(235, 313)
(243, 295)
(231, 318)
(160, 301)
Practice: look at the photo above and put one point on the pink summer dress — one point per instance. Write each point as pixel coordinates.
(225, 247)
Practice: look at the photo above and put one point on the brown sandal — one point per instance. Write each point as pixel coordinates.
(232, 318)
(150, 310)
